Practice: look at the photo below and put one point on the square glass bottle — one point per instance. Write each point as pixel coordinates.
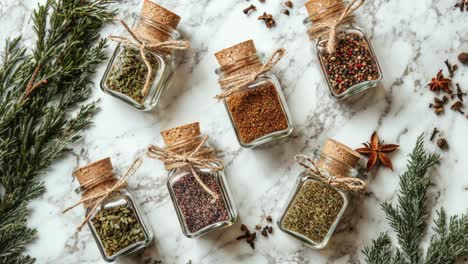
(126, 74)
(197, 210)
(352, 67)
(258, 112)
(314, 209)
(117, 225)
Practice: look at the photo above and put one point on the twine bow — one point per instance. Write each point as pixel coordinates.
(234, 83)
(195, 159)
(142, 46)
(346, 183)
(98, 198)
(332, 20)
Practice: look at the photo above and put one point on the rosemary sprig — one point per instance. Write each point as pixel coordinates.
(39, 92)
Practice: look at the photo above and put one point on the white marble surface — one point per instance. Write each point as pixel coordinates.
(411, 39)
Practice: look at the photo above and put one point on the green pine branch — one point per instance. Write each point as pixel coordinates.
(409, 221)
(36, 128)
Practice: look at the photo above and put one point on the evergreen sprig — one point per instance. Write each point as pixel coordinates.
(40, 91)
(409, 221)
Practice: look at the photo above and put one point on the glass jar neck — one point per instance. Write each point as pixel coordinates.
(152, 31)
(332, 167)
(247, 64)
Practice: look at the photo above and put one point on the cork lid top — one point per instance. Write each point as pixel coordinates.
(316, 6)
(341, 152)
(93, 170)
(235, 53)
(160, 14)
(176, 134)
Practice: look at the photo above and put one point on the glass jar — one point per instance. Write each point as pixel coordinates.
(126, 73)
(118, 225)
(258, 112)
(353, 67)
(315, 208)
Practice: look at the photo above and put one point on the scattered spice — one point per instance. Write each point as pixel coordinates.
(128, 73)
(442, 143)
(258, 227)
(286, 12)
(269, 219)
(313, 210)
(459, 93)
(439, 104)
(197, 206)
(288, 4)
(257, 112)
(264, 233)
(250, 8)
(463, 57)
(270, 229)
(461, 4)
(434, 133)
(249, 237)
(457, 106)
(451, 68)
(440, 83)
(117, 228)
(377, 151)
(267, 19)
(351, 64)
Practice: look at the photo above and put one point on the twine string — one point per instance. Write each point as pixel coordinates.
(233, 84)
(329, 23)
(196, 159)
(143, 47)
(98, 198)
(345, 183)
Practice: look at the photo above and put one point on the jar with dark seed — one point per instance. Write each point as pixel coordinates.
(127, 73)
(198, 211)
(352, 67)
(315, 208)
(118, 225)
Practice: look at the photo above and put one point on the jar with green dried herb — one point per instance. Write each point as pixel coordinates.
(320, 197)
(114, 218)
(144, 60)
(345, 53)
(252, 96)
(196, 182)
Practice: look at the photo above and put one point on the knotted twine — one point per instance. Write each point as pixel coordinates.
(344, 183)
(143, 47)
(96, 200)
(327, 23)
(233, 84)
(196, 159)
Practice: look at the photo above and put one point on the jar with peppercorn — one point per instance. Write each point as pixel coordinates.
(144, 60)
(320, 197)
(252, 95)
(116, 223)
(345, 54)
(196, 182)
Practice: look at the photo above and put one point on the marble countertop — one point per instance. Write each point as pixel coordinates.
(411, 38)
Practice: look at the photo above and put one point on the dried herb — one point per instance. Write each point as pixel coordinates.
(257, 112)
(440, 83)
(248, 9)
(463, 57)
(314, 210)
(442, 143)
(197, 206)
(117, 228)
(268, 20)
(351, 64)
(451, 68)
(128, 73)
(377, 151)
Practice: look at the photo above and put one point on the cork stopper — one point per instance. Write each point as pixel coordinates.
(237, 52)
(339, 152)
(316, 6)
(95, 170)
(162, 16)
(180, 133)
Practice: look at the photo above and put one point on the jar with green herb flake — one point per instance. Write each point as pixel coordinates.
(117, 225)
(316, 205)
(140, 80)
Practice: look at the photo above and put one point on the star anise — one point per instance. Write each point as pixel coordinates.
(376, 151)
(440, 83)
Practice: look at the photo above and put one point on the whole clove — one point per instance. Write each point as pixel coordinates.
(269, 219)
(264, 233)
(267, 19)
(270, 229)
(248, 9)
(434, 133)
(451, 68)
(288, 4)
(286, 12)
(459, 94)
(463, 57)
(461, 4)
(457, 106)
